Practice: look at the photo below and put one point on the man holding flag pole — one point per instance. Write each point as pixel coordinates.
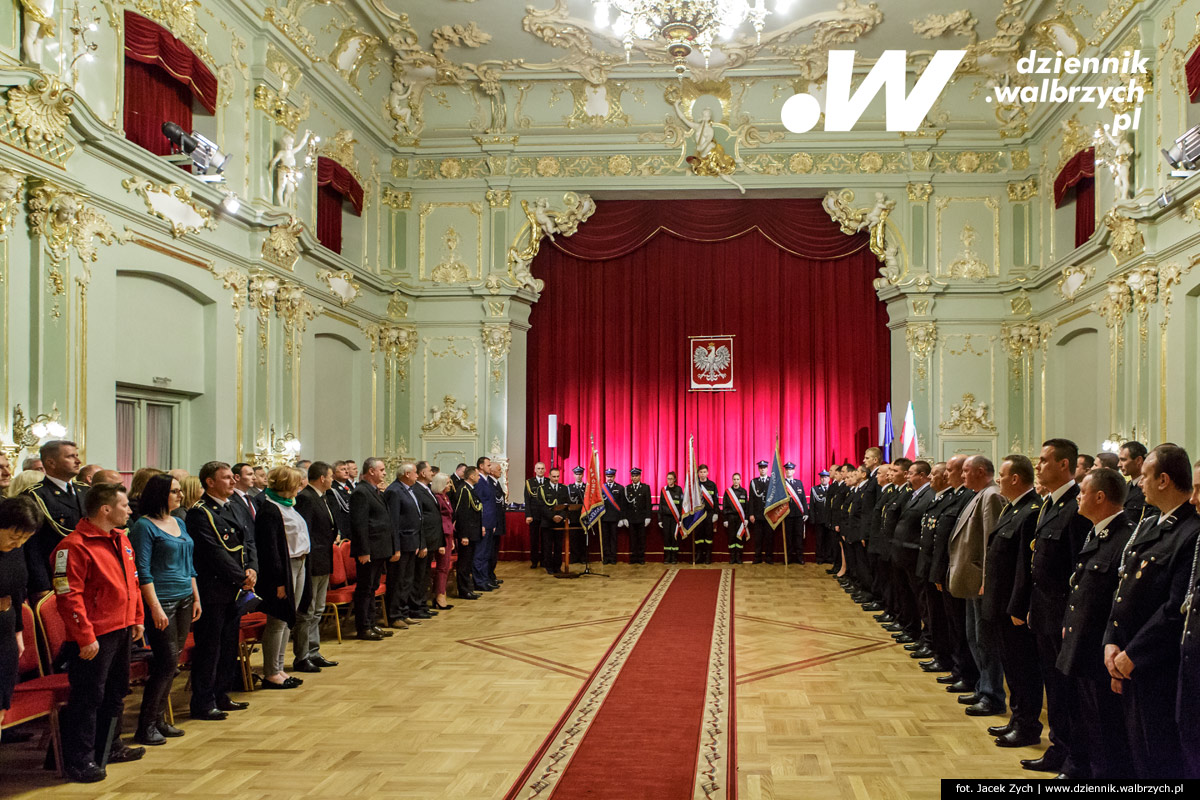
(693, 509)
(776, 508)
(593, 499)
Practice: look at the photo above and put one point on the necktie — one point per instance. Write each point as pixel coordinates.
(249, 505)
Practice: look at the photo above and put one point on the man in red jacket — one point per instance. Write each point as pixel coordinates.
(100, 602)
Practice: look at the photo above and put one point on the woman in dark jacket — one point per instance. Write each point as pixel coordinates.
(19, 519)
(283, 581)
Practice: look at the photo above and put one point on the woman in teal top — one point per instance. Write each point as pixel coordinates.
(168, 578)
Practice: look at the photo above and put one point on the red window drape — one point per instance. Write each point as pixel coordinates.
(608, 348)
(151, 43)
(1079, 174)
(1081, 165)
(331, 173)
(1192, 71)
(1085, 210)
(329, 217)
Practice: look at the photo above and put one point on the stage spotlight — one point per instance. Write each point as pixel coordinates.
(206, 155)
(1184, 157)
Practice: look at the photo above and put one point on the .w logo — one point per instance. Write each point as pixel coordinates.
(902, 112)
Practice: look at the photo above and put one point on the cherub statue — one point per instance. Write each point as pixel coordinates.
(287, 174)
(544, 217)
(710, 158)
(1117, 158)
(10, 185)
(399, 107)
(39, 23)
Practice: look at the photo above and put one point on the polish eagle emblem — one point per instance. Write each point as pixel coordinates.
(711, 362)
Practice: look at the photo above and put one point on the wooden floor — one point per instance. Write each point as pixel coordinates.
(827, 705)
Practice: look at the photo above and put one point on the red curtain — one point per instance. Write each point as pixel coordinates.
(1192, 71)
(329, 217)
(1082, 165)
(150, 43)
(608, 348)
(153, 97)
(1085, 210)
(331, 173)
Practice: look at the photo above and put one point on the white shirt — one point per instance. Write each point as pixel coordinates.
(1057, 494)
(1103, 524)
(61, 484)
(296, 529)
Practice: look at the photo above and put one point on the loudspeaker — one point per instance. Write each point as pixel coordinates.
(564, 448)
(552, 434)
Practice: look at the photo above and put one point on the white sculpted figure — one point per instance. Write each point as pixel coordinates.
(39, 23)
(702, 130)
(398, 105)
(10, 185)
(287, 174)
(1117, 159)
(545, 217)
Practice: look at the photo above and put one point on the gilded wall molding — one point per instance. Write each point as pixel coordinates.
(173, 204)
(236, 282)
(1125, 241)
(1020, 191)
(340, 148)
(499, 198)
(968, 417)
(919, 192)
(12, 189)
(179, 17)
(921, 339)
(342, 284)
(542, 221)
(282, 245)
(397, 343)
(35, 119)
(64, 222)
(261, 289)
(497, 340)
(395, 199)
(296, 310)
(279, 110)
(450, 419)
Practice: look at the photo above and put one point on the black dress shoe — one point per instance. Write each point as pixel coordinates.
(885, 618)
(212, 715)
(985, 708)
(970, 699)
(534, 566)
(1000, 730)
(935, 666)
(921, 652)
(91, 772)
(903, 638)
(894, 627)
(370, 635)
(305, 666)
(1017, 738)
(382, 632)
(150, 736)
(225, 704)
(872, 606)
(420, 615)
(488, 588)
(469, 597)
(167, 730)
(322, 661)
(914, 647)
(122, 753)
(499, 581)
(960, 687)
(1047, 763)
(283, 685)
(947, 679)
(446, 607)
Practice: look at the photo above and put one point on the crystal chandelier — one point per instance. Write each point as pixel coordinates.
(683, 25)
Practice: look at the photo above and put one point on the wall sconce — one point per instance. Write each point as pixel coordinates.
(275, 451)
(27, 434)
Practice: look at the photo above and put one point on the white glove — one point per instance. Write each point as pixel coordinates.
(714, 518)
(622, 523)
(647, 522)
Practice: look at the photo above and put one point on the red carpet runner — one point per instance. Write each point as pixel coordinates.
(655, 721)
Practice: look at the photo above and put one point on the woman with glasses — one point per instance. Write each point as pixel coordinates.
(19, 519)
(168, 578)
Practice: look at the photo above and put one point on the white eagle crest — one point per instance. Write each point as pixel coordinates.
(711, 362)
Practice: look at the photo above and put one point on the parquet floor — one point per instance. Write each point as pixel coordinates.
(827, 705)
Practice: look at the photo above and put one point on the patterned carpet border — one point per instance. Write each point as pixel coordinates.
(716, 768)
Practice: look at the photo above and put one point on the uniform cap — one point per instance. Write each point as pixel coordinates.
(789, 465)
(578, 470)
(762, 464)
(823, 473)
(610, 471)
(635, 471)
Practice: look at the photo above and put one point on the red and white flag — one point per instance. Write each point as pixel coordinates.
(908, 436)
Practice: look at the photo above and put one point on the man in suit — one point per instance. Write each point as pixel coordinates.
(637, 515)
(432, 538)
(1132, 456)
(1083, 464)
(1187, 703)
(967, 545)
(906, 547)
(794, 522)
(491, 514)
(243, 482)
(339, 497)
(756, 507)
(935, 636)
(1142, 639)
(500, 498)
(965, 670)
(670, 505)
(532, 517)
(406, 533)
(737, 522)
(1060, 536)
(312, 503)
(575, 492)
(61, 502)
(818, 499)
(711, 499)
(614, 514)
(372, 543)
(225, 564)
(1093, 586)
(869, 513)
(468, 529)
(1004, 568)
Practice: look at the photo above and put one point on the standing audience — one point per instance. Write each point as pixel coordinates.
(282, 540)
(19, 519)
(313, 505)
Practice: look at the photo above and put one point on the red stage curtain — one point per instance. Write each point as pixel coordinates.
(1085, 210)
(608, 349)
(331, 173)
(329, 217)
(150, 43)
(153, 97)
(1082, 165)
(1192, 71)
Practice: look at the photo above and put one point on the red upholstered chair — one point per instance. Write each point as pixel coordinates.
(249, 635)
(37, 695)
(341, 591)
(53, 635)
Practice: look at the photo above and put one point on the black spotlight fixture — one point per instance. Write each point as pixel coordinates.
(1184, 157)
(206, 155)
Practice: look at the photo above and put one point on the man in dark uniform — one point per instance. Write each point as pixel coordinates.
(1187, 703)
(552, 505)
(906, 547)
(711, 499)
(669, 504)
(225, 564)
(935, 634)
(61, 502)
(1093, 586)
(1133, 454)
(339, 498)
(756, 507)
(818, 499)
(878, 594)
(1005, 566)
(897, 598)
(737, 519)
(614, 514)
(575, 492)
(866, 524)
(965, 672)
(793, 523)
(1060, 536)
(468, 529)
(532, 519)
(637, 515)
(500, 497)
(1141, 643)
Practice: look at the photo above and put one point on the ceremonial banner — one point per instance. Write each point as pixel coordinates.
(593, 500)
(908, 435)
(693, 503)
(712, 363)
(777, 506)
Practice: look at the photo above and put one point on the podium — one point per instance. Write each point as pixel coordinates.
(565, 570)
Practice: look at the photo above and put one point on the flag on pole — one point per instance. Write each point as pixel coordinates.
(777, 506)
(908, 435)
(888, 437)
(693, 504)
(593, 499)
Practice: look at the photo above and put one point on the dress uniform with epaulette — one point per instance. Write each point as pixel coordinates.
(794, 522)
(575, 492)
(61, 504)
(533, 513)
(735, 505)
(818, 504)
(637, 515)
(1147, 623)
(703, 532)
(1187, 702)
(933, 614)
(670, 505)
(614, 514)
(964, 667)
(758, 509)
